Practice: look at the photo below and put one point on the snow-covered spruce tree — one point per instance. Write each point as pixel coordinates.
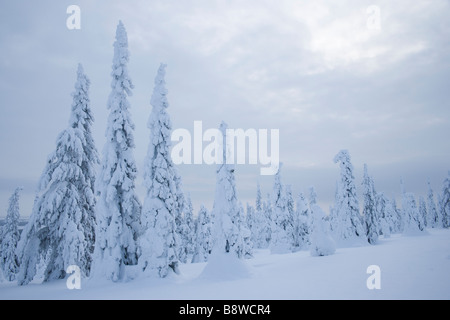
(303, 225)
(281, 240)
(82, 118)
(180, 232)
(259, 200)
(252, 224)
(160, 241)
(9, 263)
(257, 222)
(312, 196)
(398, 217)
(371, 217)
(422, 213)
(294, 219)
(118, 210)
(245, 235)
(226, 209)
(347, 222)
(322, 244)
(433, 214)
(203, 243)
(386, 214)
(189, 232)
(410, 213)
(62, 222)
(267, 211)
(445, 203)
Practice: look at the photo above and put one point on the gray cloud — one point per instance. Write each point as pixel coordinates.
(311, 69)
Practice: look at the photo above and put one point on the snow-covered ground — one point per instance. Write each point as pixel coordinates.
(412, 267)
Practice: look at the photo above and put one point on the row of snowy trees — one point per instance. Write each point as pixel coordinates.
(87, 213)
(276, 224)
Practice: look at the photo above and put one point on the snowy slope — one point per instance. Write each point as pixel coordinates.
(411, 268)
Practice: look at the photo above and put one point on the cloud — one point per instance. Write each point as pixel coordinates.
(312, 69)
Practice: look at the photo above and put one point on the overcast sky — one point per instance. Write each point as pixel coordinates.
(320, 71)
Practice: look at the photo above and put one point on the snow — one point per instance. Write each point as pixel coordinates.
(411, 268)
(224, 267)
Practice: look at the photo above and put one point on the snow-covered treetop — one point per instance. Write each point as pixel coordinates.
(258, 198)
(159, 121)
(81, 113)
(121, 80)
(278, 190)
(225, 148)
(344, 159)
(159, 96)
(13, 209)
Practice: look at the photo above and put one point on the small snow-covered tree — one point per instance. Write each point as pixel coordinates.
(386, 214)
(252, 224)
(62, 222)
(164, 200)
(9, 262)
(189, 232)
(203, 243)
(422, 213)
(180, 234)
(301, 223)
(371, 217)
(290, 204)
(398, 217)
(281, 238)
(267, 212)
(244, 235)
(258, 222)
(258, 201)
(411, 214)
(312, 196)
(348, 224)
(433, 214)
(445, 203)
(322, 244)
(119, 209)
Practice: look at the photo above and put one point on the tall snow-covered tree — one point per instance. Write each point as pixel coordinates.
(226, 208)
(118, 210)
(347, 223)
(322, 244)
(433, 214)
(203, 243)
(62, 223)
(445, 202)
(9, 262)
(82, 118)
(163, 203)
(281, 240)
(371, 218)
